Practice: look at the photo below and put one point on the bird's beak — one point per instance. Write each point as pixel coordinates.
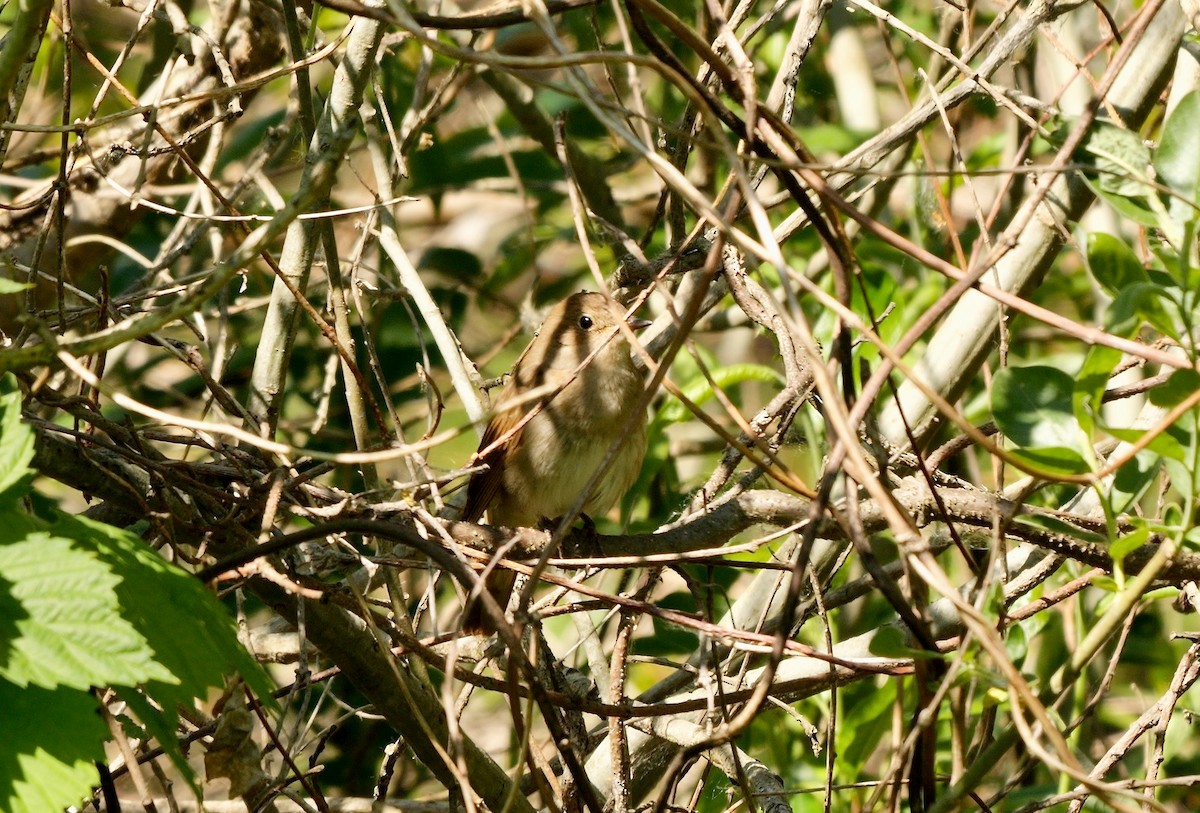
(637, 324)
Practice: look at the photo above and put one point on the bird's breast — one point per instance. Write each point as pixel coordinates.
(564, 445)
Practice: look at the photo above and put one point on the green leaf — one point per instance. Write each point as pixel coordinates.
(1177, 160)
(1124, 545)
(159, 721)
(1132, 480)
(1045, 522)
(52, 740)
(84, 604)
(69, 630)
(1148, 302)
(1165, 592)
(1113, 263)
(1051, 461)
(1184, 275)
(1165, 444)
(866, 720)
(1180, 384)
(1123, 317)
(699, 390)
(1131, 208)
(889, 642)
(1091, 383)
(8, 286)
(1121, 159)
(16, 445)
(1181, 475)
(1033, 407)
(160, 600)
(827, 138)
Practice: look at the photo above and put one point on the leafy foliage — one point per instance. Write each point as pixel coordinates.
(87, 605)
(923, 432)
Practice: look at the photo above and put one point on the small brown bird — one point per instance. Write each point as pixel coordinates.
(539, 473)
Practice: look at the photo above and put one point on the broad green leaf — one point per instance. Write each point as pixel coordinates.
(1033, 407)
(1177, 160)
(16, 444)
(1091, 383)
(1164, 444)
(1121, 159)
(865, 720)
(1153, 303)
(1180, 384)
(52, 740)
(160, 599)
(1051, 461)
(1131, 208)
(1182, 476)
(84, 604)
(1184, 274)
(70, 630)
(1132, 480)
(1113, 263)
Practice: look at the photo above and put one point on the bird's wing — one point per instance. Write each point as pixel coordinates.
(485, 485)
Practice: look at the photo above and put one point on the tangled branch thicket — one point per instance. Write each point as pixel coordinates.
(923, 380)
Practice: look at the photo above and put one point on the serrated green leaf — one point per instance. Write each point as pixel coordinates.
(16, 446)
(1113, 263)
(89, 604)
(1177, 159)
(160, 722)
(52, 740)
(1033, 407)
(70, 631)
(160, 599)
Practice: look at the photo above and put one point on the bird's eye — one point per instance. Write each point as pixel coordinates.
(585, 322)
